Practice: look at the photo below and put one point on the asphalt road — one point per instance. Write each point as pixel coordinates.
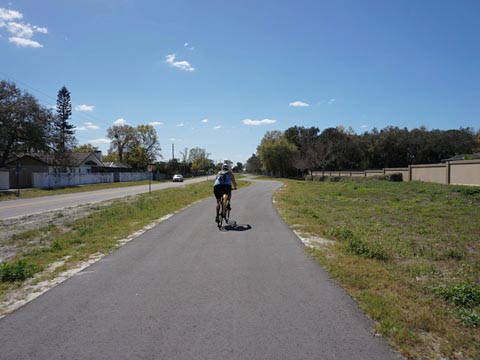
(185, 290)
(22, 207)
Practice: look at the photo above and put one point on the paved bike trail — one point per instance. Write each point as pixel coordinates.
(185, 290)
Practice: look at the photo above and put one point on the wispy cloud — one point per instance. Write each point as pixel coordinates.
(258, 122)
(25, 42)
(175, 139)
(299, 104)
(99, 141)
(217, 127)
(364, 126)
(187, 45)
(326, 101)
(182, 65)
(180, 125)
(84, 108)
(155, 123)
(9, 15)
(205, 121)
(120, 122)
(21, 32)
(91, 126)
(80, 128)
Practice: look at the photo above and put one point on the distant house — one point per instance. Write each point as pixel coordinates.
(474, 156)
(29, 163)
(81, 163)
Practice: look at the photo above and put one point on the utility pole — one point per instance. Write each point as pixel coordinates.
(173, 151)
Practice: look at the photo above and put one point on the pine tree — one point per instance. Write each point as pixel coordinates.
(64, 139)
(65, 131)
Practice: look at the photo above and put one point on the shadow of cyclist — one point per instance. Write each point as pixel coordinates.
(238, 227)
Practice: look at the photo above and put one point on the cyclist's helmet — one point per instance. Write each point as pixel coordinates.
(225, 167)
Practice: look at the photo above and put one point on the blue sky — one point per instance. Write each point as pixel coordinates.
(245, 67)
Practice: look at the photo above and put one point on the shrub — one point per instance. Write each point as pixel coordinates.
(362, 247)
(468, 317)
(394, 177)
(463, 293)
(16, 271)
(469, 191)
(370, 250)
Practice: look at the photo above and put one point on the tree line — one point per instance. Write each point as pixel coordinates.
(27, 127)
(299, 149)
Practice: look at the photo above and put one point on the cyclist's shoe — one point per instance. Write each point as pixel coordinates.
(217, 219)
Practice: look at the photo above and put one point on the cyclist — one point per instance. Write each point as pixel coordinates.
(223, 185)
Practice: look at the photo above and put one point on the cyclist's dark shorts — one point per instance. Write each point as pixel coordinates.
(221, 189)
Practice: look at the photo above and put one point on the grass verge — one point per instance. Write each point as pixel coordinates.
(408, 252)
(99, 232)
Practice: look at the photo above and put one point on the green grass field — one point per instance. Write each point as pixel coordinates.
(407, 251)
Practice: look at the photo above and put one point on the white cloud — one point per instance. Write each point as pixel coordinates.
(217, 127)
(331, 101)
(9, 15)
(180, 125)
(120, 122)
(80, 128)
(25, 42)
(20, 30)
(84, 108)
(90, 125)
(99, 141)
(21, 33)
(174, 139)
(258, 122)
(155, 123)
(41, 30)
(182, 65)
(205, 121)
(185, 45)
(299, 104)
(364, 126)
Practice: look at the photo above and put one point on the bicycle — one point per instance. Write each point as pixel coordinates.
(224, 211)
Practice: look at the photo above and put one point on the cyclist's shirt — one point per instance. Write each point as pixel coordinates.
(223, 178)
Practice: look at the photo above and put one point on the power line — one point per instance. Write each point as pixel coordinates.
(81, 116)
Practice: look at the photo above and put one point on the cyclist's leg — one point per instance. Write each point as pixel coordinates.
(229, 193)
(218, 195)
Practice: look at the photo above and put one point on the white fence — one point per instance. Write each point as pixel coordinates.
(51, 180)
(134, 176)
(4, 180)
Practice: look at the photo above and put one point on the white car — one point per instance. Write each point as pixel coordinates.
(177, 178)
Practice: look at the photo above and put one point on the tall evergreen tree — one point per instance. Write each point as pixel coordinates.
(65, 134)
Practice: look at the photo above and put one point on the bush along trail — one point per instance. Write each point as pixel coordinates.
(45, 252)
(408, 252)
